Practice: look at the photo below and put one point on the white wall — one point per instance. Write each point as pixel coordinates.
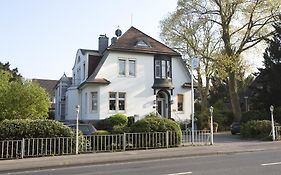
(139, 94)
(72, 101)
(179, 78)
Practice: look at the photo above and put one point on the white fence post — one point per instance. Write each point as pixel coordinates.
(124, 142)
(167, 139)
(22, 148)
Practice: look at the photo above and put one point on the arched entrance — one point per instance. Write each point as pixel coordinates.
(163, 105)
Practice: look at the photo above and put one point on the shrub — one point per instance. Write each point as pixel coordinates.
(103, 125)
(120, 129)
(156, 124)
(254, 115)
(26, 128)
(118, 120)
(101, 132)
(256, 129)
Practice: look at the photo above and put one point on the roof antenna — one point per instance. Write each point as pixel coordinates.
(131, 19)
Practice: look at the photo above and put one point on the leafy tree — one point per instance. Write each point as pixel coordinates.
(21, 99)
(14, 72)
(237, 24)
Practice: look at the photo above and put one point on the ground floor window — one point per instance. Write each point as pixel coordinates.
(94, 101)
(117, 101)
(180, 102)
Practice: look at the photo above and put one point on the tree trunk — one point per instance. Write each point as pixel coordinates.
(234, 98)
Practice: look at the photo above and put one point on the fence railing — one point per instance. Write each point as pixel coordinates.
(201, 137)
(37, 147)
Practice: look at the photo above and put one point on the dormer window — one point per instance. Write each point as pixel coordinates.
(142, 43)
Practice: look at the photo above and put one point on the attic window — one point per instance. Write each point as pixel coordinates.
(142, 43)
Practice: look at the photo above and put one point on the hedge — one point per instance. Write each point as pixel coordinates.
(153, 123)
(27, 128)
(118, 120)
(256, 129)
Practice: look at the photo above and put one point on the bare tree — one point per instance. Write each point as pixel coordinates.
(237, 24)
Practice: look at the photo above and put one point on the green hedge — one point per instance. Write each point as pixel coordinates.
(101, 132)
(27, 128)
(256, 129)
(118, 120)
(152, 123)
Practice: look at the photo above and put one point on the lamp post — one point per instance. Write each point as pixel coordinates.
(211, 127)
(271, 108)
(77, 118)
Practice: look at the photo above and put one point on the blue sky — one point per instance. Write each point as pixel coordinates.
(41, 37)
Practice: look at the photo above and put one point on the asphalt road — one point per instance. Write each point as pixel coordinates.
(249, 163)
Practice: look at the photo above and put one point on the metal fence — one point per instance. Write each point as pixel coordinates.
(37, 147)
(201, 137)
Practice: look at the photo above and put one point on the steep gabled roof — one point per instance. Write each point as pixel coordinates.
(48, 85)
(133, 40)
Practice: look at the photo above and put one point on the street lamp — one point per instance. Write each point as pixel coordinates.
(271, 108)
(212, 129)
(77, 118)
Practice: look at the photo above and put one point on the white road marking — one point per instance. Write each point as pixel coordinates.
(183, 173)
(273, 163)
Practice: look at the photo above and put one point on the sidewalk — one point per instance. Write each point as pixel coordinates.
(102, 158)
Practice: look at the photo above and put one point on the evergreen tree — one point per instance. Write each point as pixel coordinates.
(267, 91)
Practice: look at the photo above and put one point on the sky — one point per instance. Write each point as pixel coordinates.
(41, 37)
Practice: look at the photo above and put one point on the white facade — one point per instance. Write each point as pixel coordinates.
(130, 77)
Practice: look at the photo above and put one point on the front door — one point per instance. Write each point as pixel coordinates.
(161, 106)
(162, 102)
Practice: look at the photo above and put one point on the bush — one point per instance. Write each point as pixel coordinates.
(101, 132)
(256, 129)
(26, 128)
(156, 124)
(120, 129)
(118, 120)
(254, 115)
(103, 125)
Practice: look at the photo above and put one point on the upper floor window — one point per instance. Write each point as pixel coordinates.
(132, 68)
(84, 71)
(127, 67)
(122, 67)
(162, 68)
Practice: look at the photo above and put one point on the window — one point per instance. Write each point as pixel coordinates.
(84, 71)
(157, 69)
(163, 68)
(117, 101)
(78, 75)
(94, 101)
(112, 101)
(121, 100)
(132, 68)
(86, 103)
(122, 67)
(180, 102)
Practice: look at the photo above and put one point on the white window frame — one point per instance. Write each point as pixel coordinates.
(117, 100)
(158, 66)
(182, 95)
(129, 67)
(92, 102)
(121, 60)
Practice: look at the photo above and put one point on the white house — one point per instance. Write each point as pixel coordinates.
(135, 75)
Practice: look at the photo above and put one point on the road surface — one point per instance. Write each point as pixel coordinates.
(247, 163)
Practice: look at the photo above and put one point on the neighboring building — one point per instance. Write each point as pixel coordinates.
(49, 86)
(135, 75)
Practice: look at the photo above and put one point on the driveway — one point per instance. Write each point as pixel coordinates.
(226, 137)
